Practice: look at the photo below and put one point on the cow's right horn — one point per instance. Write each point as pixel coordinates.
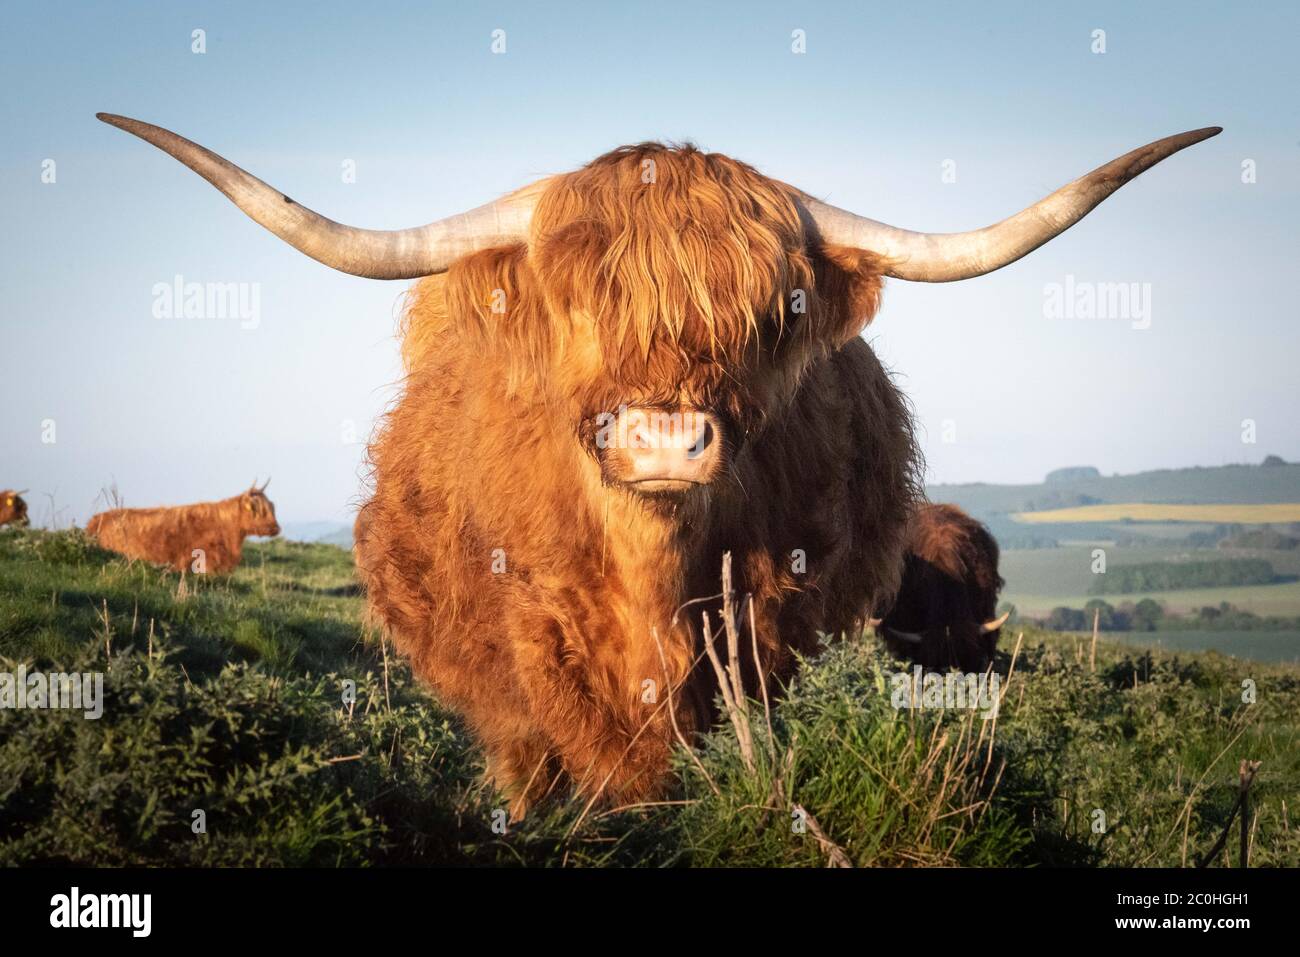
(370, 253)
(946, 257)
(995, 624)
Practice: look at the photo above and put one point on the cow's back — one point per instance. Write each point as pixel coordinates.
(962, 549)
(168, 536)
(950, 588)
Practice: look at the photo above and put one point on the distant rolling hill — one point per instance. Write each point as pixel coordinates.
(326, 533)
(1225, 484)
(1069, 506)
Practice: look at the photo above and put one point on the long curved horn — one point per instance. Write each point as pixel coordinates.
(995, 624)
(946, 257)
(371, 253)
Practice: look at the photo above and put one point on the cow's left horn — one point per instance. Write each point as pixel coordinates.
(371, 253)
(945, 257)
(995, 624)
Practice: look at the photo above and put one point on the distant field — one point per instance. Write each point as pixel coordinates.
(1149, 512)
(1279, 599)
(1273, 646)
(1056, 571)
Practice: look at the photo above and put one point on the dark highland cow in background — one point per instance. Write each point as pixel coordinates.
(615, 376)
(13, 510)
(181, 535)
(945, 612)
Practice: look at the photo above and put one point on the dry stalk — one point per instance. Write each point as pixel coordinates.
(672, 716)
(1092, 655)
(734, 712)
(835, 856)
(383, 646)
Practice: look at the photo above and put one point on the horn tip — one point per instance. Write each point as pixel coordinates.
(121, 122)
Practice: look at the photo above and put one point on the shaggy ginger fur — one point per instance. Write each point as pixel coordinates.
(170, 536)
(539, 601)
(12, 508)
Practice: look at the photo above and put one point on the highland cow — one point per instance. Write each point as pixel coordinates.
(207, 538)
(13, 510)
(614, 376)
(944, 615)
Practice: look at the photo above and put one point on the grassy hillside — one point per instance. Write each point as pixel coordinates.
(225, 696)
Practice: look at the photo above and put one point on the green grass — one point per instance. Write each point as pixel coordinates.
(1057, 571)
(1255, 645)
(235, 708)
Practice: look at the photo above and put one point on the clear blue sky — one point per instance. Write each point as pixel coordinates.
(181, 410)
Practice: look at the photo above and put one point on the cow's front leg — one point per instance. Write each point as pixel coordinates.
(524, 770)
(607, 714)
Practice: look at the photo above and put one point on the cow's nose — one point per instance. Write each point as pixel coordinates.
(669, 451)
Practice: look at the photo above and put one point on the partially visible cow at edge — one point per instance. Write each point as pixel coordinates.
(614, 376)
(172, 535)
(13, 510)
(944, 615)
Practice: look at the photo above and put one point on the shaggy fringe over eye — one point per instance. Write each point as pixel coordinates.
(685, 264)
(668, 245)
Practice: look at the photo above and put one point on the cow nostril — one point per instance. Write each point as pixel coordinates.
(702, 443)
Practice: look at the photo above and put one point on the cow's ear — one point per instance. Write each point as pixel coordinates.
(849, 285)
